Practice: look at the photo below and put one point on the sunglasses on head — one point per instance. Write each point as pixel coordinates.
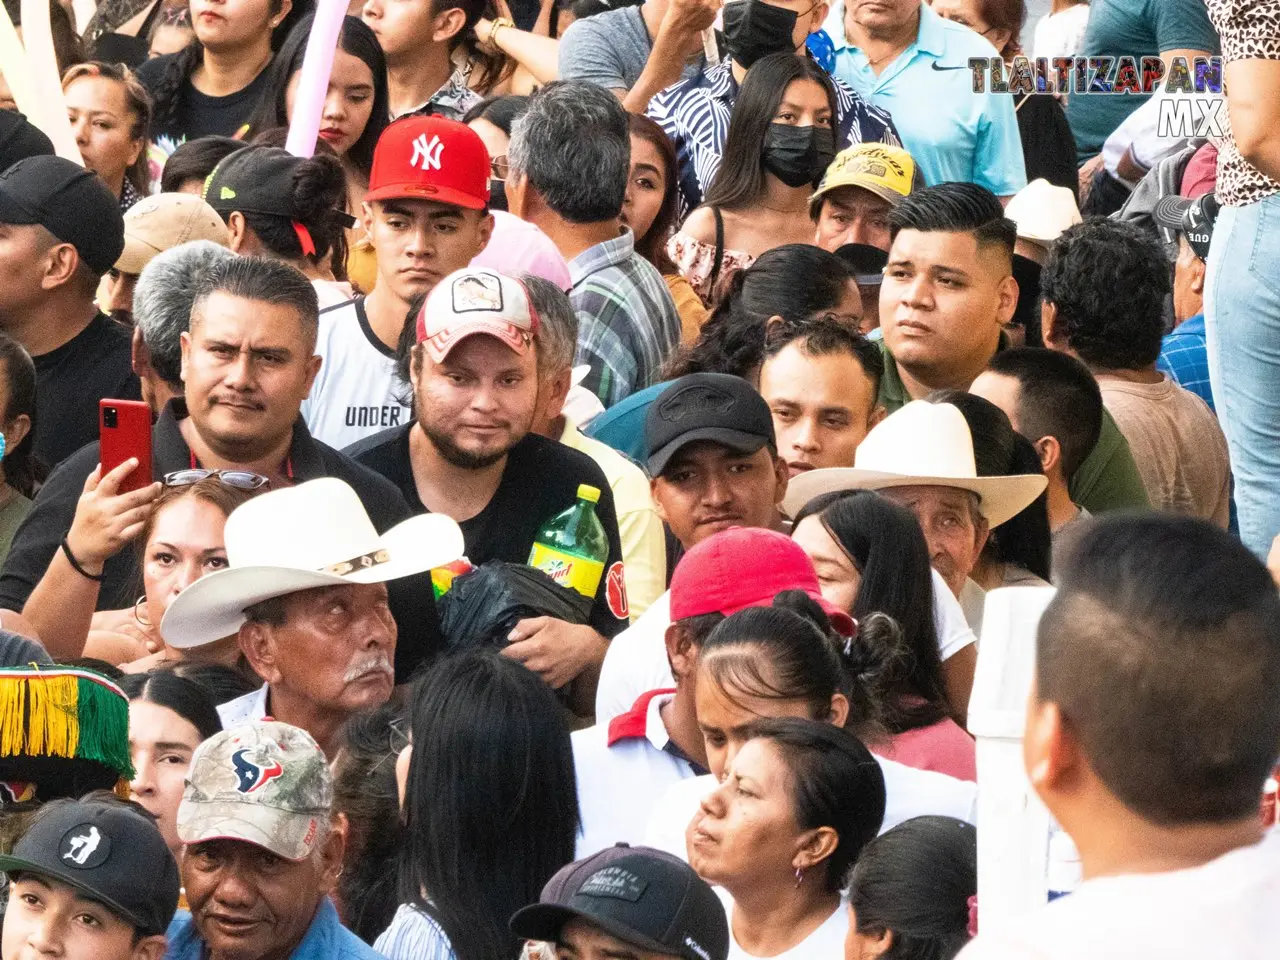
(236, 479)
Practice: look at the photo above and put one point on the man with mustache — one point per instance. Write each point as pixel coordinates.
(264, 851)
(479, 351)
(305, 592)
(247, 362)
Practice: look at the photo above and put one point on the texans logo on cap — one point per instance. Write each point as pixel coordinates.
(84, 846)
(251, 774)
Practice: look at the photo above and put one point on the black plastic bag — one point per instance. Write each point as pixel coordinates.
(484, 605)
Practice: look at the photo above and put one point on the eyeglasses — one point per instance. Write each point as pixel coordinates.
(498, 168)
(235, 479)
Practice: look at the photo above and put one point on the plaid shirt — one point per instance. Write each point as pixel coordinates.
(627, 321)
(695, 115)
(1184, 358)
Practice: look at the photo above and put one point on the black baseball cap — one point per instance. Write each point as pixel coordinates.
(706, 406)
(644, 897)
(20, 138)
(254, 180)
(1193, 219)
(111, 854)
(865, 262)
(70, 202)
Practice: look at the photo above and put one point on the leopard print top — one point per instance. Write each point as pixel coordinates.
(1250, 30)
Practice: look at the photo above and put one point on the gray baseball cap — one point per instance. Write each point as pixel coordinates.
(265, 783)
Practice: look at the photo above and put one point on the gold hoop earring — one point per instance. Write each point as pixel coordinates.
(136, 615)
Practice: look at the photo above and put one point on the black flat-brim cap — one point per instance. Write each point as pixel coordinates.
(72, 203)
(714, 407)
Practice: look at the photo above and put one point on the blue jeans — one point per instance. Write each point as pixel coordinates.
(1242, 326)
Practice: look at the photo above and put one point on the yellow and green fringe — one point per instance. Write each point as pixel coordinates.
(75, 714)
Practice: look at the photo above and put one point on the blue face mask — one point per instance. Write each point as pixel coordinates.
(3, 446)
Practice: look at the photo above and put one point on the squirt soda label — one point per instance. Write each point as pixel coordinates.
(577, 573)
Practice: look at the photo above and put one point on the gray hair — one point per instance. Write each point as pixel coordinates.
(266, 281)
(557, 337)
(574, 146)
(163, 299)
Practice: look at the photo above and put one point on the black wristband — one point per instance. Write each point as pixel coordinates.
(75, 564)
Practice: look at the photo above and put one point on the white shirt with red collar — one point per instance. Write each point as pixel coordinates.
(623, 768)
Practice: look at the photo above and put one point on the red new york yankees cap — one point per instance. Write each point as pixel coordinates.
(430, 158)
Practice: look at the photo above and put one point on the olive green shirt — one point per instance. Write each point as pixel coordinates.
(1107, 480)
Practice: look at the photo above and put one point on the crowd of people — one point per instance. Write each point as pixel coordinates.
(573, 487)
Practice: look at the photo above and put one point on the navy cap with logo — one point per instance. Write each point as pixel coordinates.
(643, 897)
(706, 406)
(109, 853)
(1193, 219)
(70, 202)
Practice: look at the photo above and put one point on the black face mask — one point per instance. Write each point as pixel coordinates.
(497, 195)
(798, 155)
(753, 29)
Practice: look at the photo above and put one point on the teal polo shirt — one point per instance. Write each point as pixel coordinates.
(951, 132)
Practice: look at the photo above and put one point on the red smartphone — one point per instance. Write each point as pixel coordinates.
(124, 431)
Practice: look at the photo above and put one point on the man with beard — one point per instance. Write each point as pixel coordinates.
(471, 455)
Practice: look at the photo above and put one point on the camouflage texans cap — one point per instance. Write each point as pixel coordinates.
(265, 783)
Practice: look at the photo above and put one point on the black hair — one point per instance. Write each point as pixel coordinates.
(68, 48)
(653, 245)
(1161, 649)
(195, 160)
(170, 105)
(264, 280)
(915, 881)
(502, 111)
(317, 197)
(1108, 281)
(221, 683)
(788, 651)
(95, 664)
(491, 804)
(822, 338)
(956, 208)
(1025, 539)
(1057, 397)
(835, 782)
(796, 281)
(184, 697)
(23, 470)
(364, 790)
(884, 542)
(740, 176)
(355, 39)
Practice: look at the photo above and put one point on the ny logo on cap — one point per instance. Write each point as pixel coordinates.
(428, 151)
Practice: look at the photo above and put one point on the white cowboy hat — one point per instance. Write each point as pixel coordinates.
(922, 445)
(1042, 211)
(316, 534)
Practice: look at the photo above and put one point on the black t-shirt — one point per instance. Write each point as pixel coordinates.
(70, 381)
(199, 115)
(540, 480)
(40, 536)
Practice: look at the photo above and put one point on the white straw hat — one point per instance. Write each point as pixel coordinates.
(316, 534)
(922, 445)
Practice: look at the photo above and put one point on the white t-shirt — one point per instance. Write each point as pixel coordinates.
(908, 793)
(620, 782)
(356, 393)
(825, 943)
(1228, 908)
(1061, 34)
(637, 657)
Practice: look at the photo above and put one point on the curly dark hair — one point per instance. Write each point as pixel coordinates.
(1109, 281)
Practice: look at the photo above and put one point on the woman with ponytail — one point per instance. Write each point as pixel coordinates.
(212, 86)
(288, 208)
(871, 557)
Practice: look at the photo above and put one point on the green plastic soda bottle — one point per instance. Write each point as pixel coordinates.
(572, 546)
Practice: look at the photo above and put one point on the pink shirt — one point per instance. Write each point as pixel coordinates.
(942, 747)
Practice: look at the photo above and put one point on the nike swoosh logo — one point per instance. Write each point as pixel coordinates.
(936, 67)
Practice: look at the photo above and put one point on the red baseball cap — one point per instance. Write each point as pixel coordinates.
(430, 158)
(746, 567)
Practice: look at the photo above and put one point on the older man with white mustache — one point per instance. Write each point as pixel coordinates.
(305, 592)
